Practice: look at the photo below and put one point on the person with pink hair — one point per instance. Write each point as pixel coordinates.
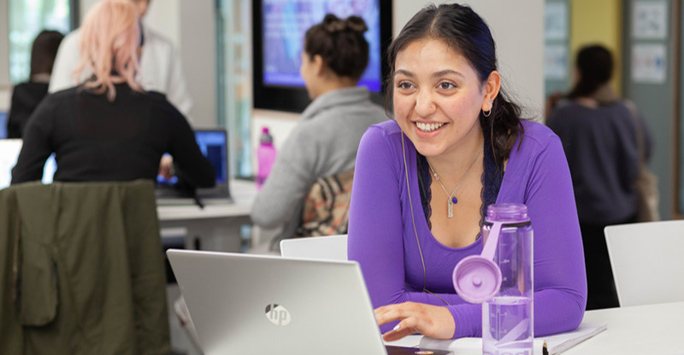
(109, 128)
(160, 64)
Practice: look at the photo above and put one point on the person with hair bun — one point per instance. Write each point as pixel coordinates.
(423, 182)
(108, 128)
(325, 141)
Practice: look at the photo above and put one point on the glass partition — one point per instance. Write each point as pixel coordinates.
(26, 20)
(234, 82)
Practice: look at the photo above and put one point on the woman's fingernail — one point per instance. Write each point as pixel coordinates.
(396, 328)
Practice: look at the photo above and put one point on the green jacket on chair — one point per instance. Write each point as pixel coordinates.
(82, 270)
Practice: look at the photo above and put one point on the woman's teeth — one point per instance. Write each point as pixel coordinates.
(428, 127)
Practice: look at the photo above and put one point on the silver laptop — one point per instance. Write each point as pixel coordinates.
(254, 304)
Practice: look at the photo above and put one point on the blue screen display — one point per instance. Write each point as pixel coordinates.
(286, 22)
(3, 125)
(213, 145)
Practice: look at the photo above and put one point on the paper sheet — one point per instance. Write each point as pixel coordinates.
(555, 344)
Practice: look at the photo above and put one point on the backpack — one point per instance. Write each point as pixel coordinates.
(326, 208)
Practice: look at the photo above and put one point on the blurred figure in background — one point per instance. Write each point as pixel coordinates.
(325, 141)
(108, 128)
(599, 131)
(160, 65)
(28, 95)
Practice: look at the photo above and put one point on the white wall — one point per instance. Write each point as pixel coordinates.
(198, 43)
(4, 57)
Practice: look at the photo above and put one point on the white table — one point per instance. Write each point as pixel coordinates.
(216, 225)
(637, 330)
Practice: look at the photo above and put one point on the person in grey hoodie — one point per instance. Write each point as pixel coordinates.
(325, 141)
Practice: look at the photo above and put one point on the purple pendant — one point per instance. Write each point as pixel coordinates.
(454, 200)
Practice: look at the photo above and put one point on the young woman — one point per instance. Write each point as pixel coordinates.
(325, 141)
(108, 128)
(424, 180)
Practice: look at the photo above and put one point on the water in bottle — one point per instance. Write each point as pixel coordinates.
(266, 155)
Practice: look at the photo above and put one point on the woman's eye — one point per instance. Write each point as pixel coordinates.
(446, 85)
(404, 85)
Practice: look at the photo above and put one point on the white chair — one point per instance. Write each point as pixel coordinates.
(647, 262)
(332, 247)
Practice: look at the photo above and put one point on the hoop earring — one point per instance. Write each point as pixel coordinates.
(486, 113)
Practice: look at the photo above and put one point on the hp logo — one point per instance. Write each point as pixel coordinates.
(277, 315)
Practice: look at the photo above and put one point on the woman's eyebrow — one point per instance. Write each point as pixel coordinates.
(403, 72)
(447, 72)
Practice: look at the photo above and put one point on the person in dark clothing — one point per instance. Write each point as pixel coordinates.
(108, 128)
(27, 96)
(599, 134)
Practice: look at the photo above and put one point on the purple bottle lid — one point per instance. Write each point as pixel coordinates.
(477, 278)
(508, 213)
(266, 138)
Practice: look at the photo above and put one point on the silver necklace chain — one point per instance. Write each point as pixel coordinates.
(450, 197)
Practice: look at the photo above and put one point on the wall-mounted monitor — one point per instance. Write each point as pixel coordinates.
(278, 34)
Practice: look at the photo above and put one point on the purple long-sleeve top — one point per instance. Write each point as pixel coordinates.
(382, 238)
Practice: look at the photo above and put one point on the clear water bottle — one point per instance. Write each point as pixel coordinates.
(501, 278)
(266, 155)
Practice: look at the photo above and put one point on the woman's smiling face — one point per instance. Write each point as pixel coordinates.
(438, 97)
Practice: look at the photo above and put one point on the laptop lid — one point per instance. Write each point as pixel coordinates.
(9, 153)
(254, 304)
(213, 144)
(333, 247)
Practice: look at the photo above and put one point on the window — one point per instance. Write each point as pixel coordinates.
(234, 90)
(26, 19)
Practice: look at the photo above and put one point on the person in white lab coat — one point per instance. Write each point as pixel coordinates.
(160, 64)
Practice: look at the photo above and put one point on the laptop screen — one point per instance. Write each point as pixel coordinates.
(3, 125)
(9, 152)
(213, 144)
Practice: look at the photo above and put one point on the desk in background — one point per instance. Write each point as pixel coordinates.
(218, 226)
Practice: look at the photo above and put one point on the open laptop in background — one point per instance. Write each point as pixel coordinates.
(214, 146)
(256, 304)
(3, 125)
(9, 152)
